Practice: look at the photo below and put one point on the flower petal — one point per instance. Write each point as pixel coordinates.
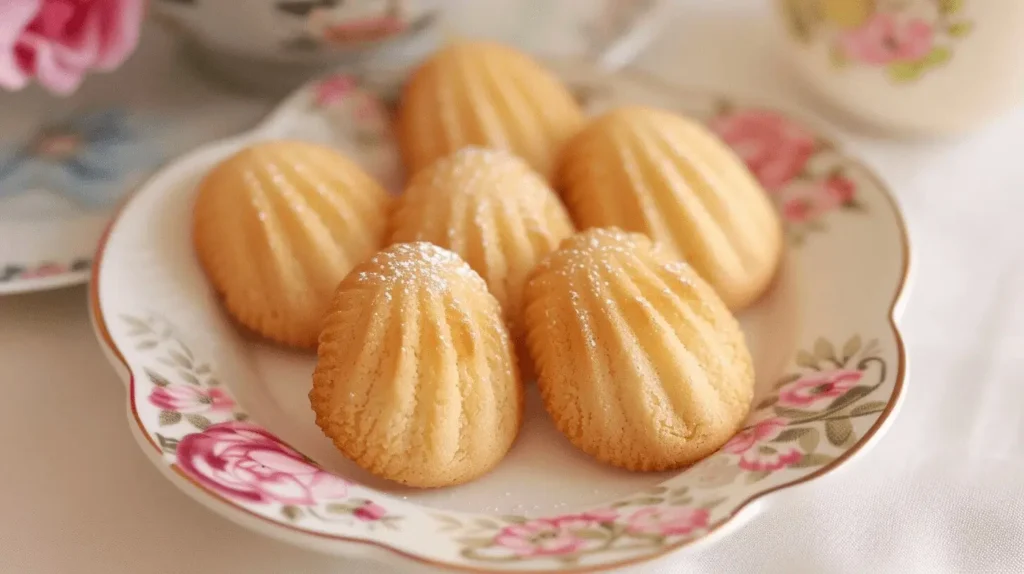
(50, 70)
(326, 486)
(15, 16)
(283, 462)
(120, 21)
(285, 489)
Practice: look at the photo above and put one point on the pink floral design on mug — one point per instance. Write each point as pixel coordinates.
(243, 461)
(884, 40)
(906, 39)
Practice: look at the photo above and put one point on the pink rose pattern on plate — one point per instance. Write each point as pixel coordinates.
(566, 537)
(369, 512)
(544, 537)
(785, 434)
(333, 89)
(218, 449)
(669, 521)
(188, 399)
(808, 414)
(906, 39)
(243, 461)
(341, 99)
(755, 454)
(782, 154)
(813, 388)
(775, 149)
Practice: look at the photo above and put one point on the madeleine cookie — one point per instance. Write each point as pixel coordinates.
(416, 380)
(484, 94)
(276, 228)
(651, 171)
(638, 361)
(491, 209)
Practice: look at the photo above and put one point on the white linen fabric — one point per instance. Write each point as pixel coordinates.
(941, 492)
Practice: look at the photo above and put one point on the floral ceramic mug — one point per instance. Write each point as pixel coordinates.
(926, 66)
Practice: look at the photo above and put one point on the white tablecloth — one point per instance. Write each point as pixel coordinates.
(942, 492)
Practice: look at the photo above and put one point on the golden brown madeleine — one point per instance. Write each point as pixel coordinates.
(485, 94)
(491, 209)
(276, 228)
(658, 173)
(416, 380)
(639, 362)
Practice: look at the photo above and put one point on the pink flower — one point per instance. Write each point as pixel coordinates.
(539, 538)
(797, 210)
(839, 190)
(769, 458)
(774, 148)
(243, 461)
(58, 41)
(755, 455)
(668, 521)
(551, 536)
(190, 399)
(883, 39)
(369, 512)
(818, 387)
(807, 200)
(334, 89)
(748, 437)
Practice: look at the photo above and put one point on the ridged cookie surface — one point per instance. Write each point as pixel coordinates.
(276, 228)
(484, 94)
(416, 380)
(491, 209)
(661, 174)
(639, 362)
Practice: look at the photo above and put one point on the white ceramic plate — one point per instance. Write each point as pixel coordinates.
(66, 164)
(226, 417)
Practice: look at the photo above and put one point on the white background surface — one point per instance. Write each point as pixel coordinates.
(942, 492)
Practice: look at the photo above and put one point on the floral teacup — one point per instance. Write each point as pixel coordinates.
(927, 66)
(273, 45)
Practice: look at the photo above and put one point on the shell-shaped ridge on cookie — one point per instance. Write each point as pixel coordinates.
(277, 225)
(667, 176)
(639, 363)
(490, 208)
(487, 94)
(416, 379)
